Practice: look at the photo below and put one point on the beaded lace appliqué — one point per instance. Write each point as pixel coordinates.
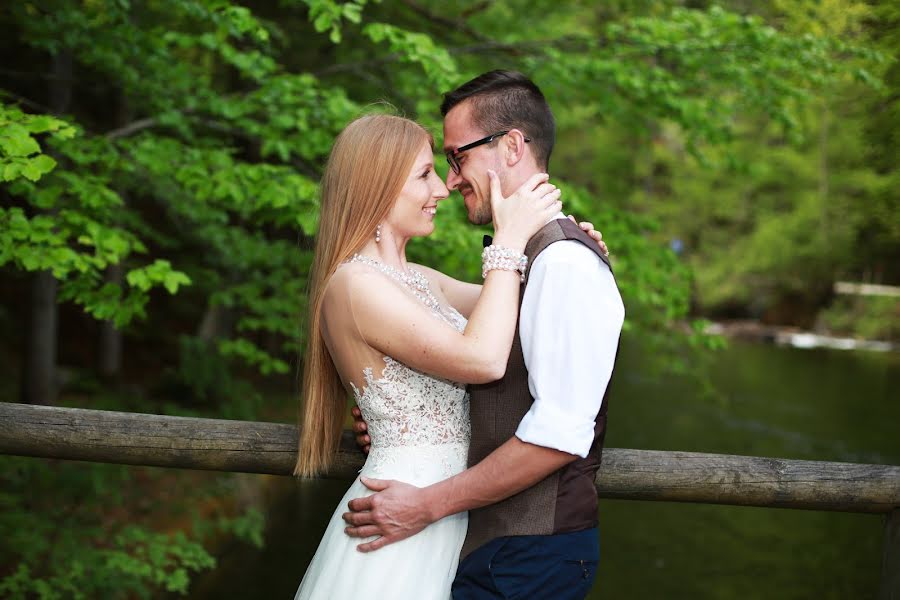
(405, 407)
(417, 284)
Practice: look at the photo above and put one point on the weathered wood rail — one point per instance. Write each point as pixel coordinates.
(249, 447)
(866, 289)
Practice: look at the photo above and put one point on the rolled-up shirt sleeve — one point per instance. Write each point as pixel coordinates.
(569, 325)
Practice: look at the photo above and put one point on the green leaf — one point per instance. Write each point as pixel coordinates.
(44, 163)
(139, 279)
(31, 171)
(11, 171)
(15, 140)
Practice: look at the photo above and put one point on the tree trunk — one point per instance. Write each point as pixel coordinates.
(110, 359)
(110, 352)
(213, 324)
(39, 383)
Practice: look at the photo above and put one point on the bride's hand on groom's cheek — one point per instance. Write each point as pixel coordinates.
(395, 512)
(360, 430)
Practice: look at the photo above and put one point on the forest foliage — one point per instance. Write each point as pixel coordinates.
(159, 165)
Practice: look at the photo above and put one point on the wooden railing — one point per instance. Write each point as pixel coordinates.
(866, 289)
(249, 447)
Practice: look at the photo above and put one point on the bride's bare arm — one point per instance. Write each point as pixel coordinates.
(463, 296)
(398, 325)
(393, 322)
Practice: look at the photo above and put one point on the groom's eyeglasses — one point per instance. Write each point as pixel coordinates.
(452, 155)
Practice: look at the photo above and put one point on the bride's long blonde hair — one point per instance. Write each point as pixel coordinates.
(368, 167)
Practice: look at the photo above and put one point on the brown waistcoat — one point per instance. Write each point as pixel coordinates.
(564, 501)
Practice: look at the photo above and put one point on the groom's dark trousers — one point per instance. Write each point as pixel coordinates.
(556, 567)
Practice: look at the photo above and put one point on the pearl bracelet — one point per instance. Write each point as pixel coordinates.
(498, 257)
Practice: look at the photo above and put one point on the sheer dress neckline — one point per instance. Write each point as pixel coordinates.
(418, 285)
(413, 418)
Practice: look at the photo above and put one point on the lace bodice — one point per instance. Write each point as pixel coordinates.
(406, 408)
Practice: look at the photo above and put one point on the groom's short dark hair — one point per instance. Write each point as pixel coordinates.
(503, 100)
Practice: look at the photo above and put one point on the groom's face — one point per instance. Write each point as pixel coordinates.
(472, 180)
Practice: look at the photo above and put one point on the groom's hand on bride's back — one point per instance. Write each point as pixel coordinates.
(360, 430)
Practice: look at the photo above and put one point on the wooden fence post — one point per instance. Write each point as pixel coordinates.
(890, 559)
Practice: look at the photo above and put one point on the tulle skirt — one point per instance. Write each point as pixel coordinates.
(421, 567)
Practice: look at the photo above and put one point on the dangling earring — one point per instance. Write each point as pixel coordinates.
(378, 234)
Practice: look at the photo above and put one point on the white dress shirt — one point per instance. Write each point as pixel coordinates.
(569, 325)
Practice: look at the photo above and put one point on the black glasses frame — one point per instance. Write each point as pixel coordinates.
(452, 154)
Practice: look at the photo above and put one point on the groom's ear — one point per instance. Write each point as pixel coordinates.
(514, 147)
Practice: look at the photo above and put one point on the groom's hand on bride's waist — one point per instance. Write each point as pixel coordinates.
(395, 512)
(361, 430)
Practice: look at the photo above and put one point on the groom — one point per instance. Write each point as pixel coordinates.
(537, 434)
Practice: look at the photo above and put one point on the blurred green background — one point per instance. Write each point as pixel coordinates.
(159, 164)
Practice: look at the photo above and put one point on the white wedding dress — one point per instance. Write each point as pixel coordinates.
(419, 430)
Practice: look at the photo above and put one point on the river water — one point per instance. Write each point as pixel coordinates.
(761, 400)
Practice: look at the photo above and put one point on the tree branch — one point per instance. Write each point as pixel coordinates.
(514, 49)
(27, 102)
(132, 128)
(475, 9)
(441, 21)
(35, 75)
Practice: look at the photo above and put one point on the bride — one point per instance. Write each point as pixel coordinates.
(404, 340)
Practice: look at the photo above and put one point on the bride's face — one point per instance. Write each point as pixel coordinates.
(413, 212)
